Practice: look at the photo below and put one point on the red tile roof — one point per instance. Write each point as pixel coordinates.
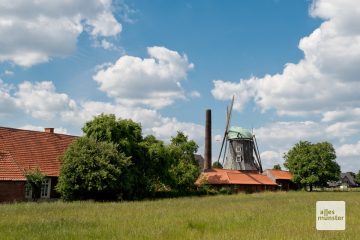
(21, 150)
(9, 170)
(280, 174)
(225, 176)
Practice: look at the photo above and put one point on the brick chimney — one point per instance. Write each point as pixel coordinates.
(49, 130)
(207, 154)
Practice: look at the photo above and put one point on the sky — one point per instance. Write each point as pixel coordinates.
(291, 65)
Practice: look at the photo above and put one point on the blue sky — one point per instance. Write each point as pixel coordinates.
(292, 66)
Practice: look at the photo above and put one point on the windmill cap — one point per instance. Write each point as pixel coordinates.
(239, 132)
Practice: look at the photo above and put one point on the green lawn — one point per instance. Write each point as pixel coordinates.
(244, 216)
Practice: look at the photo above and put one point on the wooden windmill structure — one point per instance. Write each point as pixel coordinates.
(239, 149)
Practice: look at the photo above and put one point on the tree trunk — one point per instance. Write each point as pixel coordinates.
(311, 187)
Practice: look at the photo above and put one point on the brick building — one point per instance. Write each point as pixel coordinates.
(24, 150)
(236, 180)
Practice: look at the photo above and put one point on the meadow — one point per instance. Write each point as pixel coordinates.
(270, 215)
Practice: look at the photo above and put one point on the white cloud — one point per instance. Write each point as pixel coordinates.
(282, 135)
(153, 81)
(41, 100)
(7, 102)
(344, 129)
(195, 94)
(325, 80)
(348, 114)
(270, 158)
(349, 150)
(226, 90)
(33, 31)
(151, 121)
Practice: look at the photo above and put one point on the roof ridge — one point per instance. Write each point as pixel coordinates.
(28, 130)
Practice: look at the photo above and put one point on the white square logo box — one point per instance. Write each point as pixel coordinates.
(330, 215)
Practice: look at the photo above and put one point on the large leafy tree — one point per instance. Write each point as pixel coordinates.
(184, 169)
(127, 135)
(312, 164)
(92, 170)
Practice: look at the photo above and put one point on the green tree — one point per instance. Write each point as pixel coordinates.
(277, 167)
(357, 177)
(157, 164)
(217, 165)
(34, 180)
(92, 170)
(312, 164)
(184, 169)
(127, 135)
(123, 132)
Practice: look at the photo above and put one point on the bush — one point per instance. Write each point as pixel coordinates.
(92, 170)
(34, 181)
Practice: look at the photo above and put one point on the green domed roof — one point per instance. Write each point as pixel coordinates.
(239, 132)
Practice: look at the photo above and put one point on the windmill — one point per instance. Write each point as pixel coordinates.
(241, 150)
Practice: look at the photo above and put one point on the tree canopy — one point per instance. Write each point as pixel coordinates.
(277, 167)
(184, 169)
(138, 166)
(217, 165)
(312, 164)
(357, 177)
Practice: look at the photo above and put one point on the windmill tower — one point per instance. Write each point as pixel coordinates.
(240, 151)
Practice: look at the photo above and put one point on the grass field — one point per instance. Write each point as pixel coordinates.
(244, 216)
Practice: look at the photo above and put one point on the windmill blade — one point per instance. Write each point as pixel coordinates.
(222, 145)
(257, 154)
(223, 161)
(228, 118)
(228, 114)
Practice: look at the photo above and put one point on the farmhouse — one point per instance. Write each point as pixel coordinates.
(282, 178)
(236, 180)
(24, 150)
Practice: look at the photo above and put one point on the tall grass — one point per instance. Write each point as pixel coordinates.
(253, 216)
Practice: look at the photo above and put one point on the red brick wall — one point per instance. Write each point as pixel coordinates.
(11, 191)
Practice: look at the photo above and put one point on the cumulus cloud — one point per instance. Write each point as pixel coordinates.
(151, 121)
(349, 150)
(7, 102)
(41, 100)
(347, 114)
(276, 138)
(34, 31)
(270, 158)
(343, 129)
(326, 78)
(153, 81)
(285, 134)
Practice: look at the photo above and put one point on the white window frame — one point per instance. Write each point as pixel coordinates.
(28, 191)
(238, 158)
(45, 188)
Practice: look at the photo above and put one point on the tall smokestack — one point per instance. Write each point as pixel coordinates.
(207, 154)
